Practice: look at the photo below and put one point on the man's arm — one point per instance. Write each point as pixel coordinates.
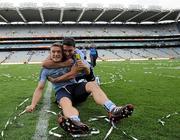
(83, 67)
(36, 96)
(70, 75)
(79, 67)
(48, 63)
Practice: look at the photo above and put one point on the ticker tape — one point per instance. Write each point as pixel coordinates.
(162, 120)
(13, 117)
(111, 128)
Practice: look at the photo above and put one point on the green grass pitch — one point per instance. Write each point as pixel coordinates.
(152, 86)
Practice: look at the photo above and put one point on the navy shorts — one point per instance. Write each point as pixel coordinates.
(76, 93)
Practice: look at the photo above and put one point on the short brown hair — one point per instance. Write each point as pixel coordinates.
(56, 44)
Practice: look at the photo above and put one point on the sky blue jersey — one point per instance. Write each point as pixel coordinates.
(56, 73)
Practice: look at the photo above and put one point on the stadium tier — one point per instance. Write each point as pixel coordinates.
(87, 30)
(27, 31)
(35, 56)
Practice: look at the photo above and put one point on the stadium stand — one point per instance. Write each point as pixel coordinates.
(87, 30)
(118, 32)
(104, 54)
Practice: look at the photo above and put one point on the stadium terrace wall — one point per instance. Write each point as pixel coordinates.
(84, 30)
(99, 42)
(20, 37)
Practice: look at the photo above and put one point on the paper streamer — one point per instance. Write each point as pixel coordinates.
(52, 112)
(108, 133)
(53, 133)
(162, 120)
(13, 117)
(111, 128)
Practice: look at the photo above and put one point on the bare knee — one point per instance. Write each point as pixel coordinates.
(91, 86)
(65, 102)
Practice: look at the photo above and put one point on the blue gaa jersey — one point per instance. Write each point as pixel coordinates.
(82, 57)
(93, 51)
(56, 73)
(83, 60)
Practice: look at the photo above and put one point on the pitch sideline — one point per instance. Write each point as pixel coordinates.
(42, 125)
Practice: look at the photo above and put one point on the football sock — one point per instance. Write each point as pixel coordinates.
(109, 105)
(75, 118)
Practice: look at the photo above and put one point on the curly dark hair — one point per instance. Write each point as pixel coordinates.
(69, 41)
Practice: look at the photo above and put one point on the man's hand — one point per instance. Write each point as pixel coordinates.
(53, 80)
(81, 66)
(30, 108)
(75, 69)
(70, 75)
(48, 63)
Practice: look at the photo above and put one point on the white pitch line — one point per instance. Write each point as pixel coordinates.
(42, 125)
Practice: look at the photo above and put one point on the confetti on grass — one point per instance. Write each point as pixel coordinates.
(162, 120)
(13, 117)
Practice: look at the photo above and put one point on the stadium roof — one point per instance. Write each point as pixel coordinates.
(50, 13)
